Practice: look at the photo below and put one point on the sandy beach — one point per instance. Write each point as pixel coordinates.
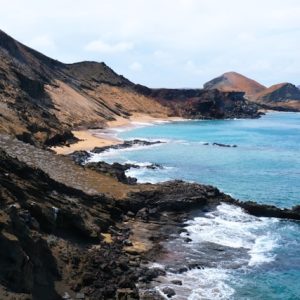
(89, 139)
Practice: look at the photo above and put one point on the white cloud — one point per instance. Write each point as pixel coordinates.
(178, 42)
(136, 66)
(103, 47)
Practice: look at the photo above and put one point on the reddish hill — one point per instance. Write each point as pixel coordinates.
(232, 81)
(282, 96)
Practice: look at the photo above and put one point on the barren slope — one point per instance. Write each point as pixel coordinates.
(233, 81)
(41, 99)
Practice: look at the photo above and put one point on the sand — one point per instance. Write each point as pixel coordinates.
(89, 139)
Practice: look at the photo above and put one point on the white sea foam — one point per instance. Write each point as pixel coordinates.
(209, 284)
(117, 153)
(231, 226)
(227, 226)
(145, 175)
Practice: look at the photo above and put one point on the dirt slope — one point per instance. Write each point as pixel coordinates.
(42, 99)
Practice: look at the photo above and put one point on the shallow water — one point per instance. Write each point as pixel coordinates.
(265, 167)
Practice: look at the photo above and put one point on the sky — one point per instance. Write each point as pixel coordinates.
(165, 43)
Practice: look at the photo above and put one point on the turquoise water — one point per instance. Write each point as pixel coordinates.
(264, 167)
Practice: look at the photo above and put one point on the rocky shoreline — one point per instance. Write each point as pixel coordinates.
(57, 242)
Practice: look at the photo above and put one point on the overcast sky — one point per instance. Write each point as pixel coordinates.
(165, 43)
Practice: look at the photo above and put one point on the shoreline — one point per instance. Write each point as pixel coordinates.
(91, 138)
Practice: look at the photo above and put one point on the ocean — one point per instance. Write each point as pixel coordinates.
(243, 257)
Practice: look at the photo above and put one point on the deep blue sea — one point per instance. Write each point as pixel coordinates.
(264, 167)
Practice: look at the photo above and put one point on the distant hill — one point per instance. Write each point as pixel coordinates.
(281, 92)
(233, 81)
(282, 96)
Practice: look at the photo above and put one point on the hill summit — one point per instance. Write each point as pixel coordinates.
(232, 81)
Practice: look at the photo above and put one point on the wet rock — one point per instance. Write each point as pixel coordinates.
(126, 144)
(176, 269)
(115, 170)
(149, 274)
(224, 145)
(154, 166)
(187, 240)
(126, 294)
(176, 282)
(151, 295)
(80, 157)
(169, 292)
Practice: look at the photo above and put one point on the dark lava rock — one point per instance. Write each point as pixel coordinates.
(125, 145)
(176, 282)
(204, 104)
(80, 157)
(115, 170)
(149, 274)
(169, 292)
(151, 295)
(224, 145)
(154, 166)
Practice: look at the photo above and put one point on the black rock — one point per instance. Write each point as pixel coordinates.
(126, 144)
(169, 292)
(176, 282)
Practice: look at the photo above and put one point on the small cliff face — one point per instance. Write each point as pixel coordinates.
(204, 104)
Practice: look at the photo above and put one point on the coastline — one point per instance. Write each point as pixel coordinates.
(145, 233)
(91, 138)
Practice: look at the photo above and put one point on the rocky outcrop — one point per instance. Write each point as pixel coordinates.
(80, 157)
(204, 104)
(115, 170)
(125, 145)
(282, 97)
(279, 93)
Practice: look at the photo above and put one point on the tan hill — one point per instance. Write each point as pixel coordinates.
(42, 100)
(232, 81)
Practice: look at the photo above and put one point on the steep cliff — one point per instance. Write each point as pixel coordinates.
(204, 104)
